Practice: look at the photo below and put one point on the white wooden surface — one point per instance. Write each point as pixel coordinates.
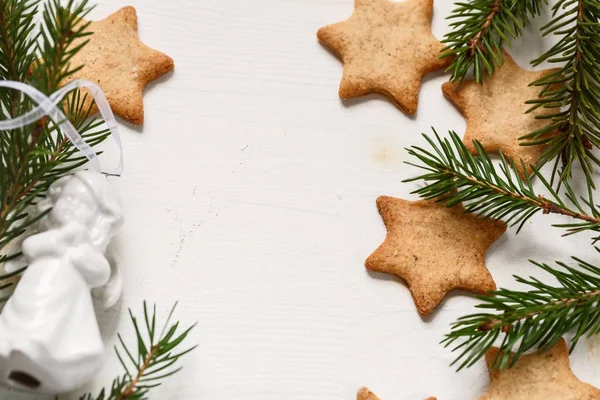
(251, 199)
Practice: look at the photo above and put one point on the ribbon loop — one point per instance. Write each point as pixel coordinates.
(48, 106)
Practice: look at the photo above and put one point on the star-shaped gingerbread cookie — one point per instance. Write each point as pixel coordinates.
(366, 394)
(119, 63)
(495, 111)
(538, 376)
(386, 48)
(434, 248)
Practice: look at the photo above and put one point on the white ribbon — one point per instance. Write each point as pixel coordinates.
(48, 106)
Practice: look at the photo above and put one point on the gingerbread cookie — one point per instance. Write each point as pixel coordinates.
(538, 376)
(366, 394)
(435, 249)
(495, 111)
(386, 48)
(119, 63)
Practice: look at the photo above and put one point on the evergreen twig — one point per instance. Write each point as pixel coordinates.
(537, 318)
(479, 29)
(155, 360)
(32, 158)
(453, 175)
(574, 86)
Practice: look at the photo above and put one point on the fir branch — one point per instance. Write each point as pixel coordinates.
(523, 319)
(61, 28)
(536, 318)
(17, 44)
(155, 359)
(32, 158)
(453, 175)
(480, 29)
(575, 86)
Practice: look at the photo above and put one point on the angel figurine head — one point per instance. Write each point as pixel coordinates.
(49, 337)
(84, 198)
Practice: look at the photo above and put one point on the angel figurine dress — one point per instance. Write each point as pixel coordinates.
(49, 336)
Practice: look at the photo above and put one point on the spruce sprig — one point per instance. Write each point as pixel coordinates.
(16, 44)
(574, 86)
(32, 158)
(453, 175)
(478, 31)
(537, 318)
(155, 359)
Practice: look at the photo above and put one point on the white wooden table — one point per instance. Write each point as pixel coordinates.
(250, 195)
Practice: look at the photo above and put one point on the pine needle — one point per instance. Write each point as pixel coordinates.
(533, 319)
(576, 129)
(154, 361)
(479, 28)
(32, 158)
(536, 318)
(453, 175)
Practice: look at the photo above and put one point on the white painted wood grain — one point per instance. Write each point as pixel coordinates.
(251, 199)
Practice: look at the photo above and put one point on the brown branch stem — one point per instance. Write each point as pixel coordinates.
(569, 128)
(146, 364)
(476, 42)
(552, 208)
(495, 322)
(547, 206)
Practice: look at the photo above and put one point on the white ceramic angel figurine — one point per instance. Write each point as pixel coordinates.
(49, 336)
